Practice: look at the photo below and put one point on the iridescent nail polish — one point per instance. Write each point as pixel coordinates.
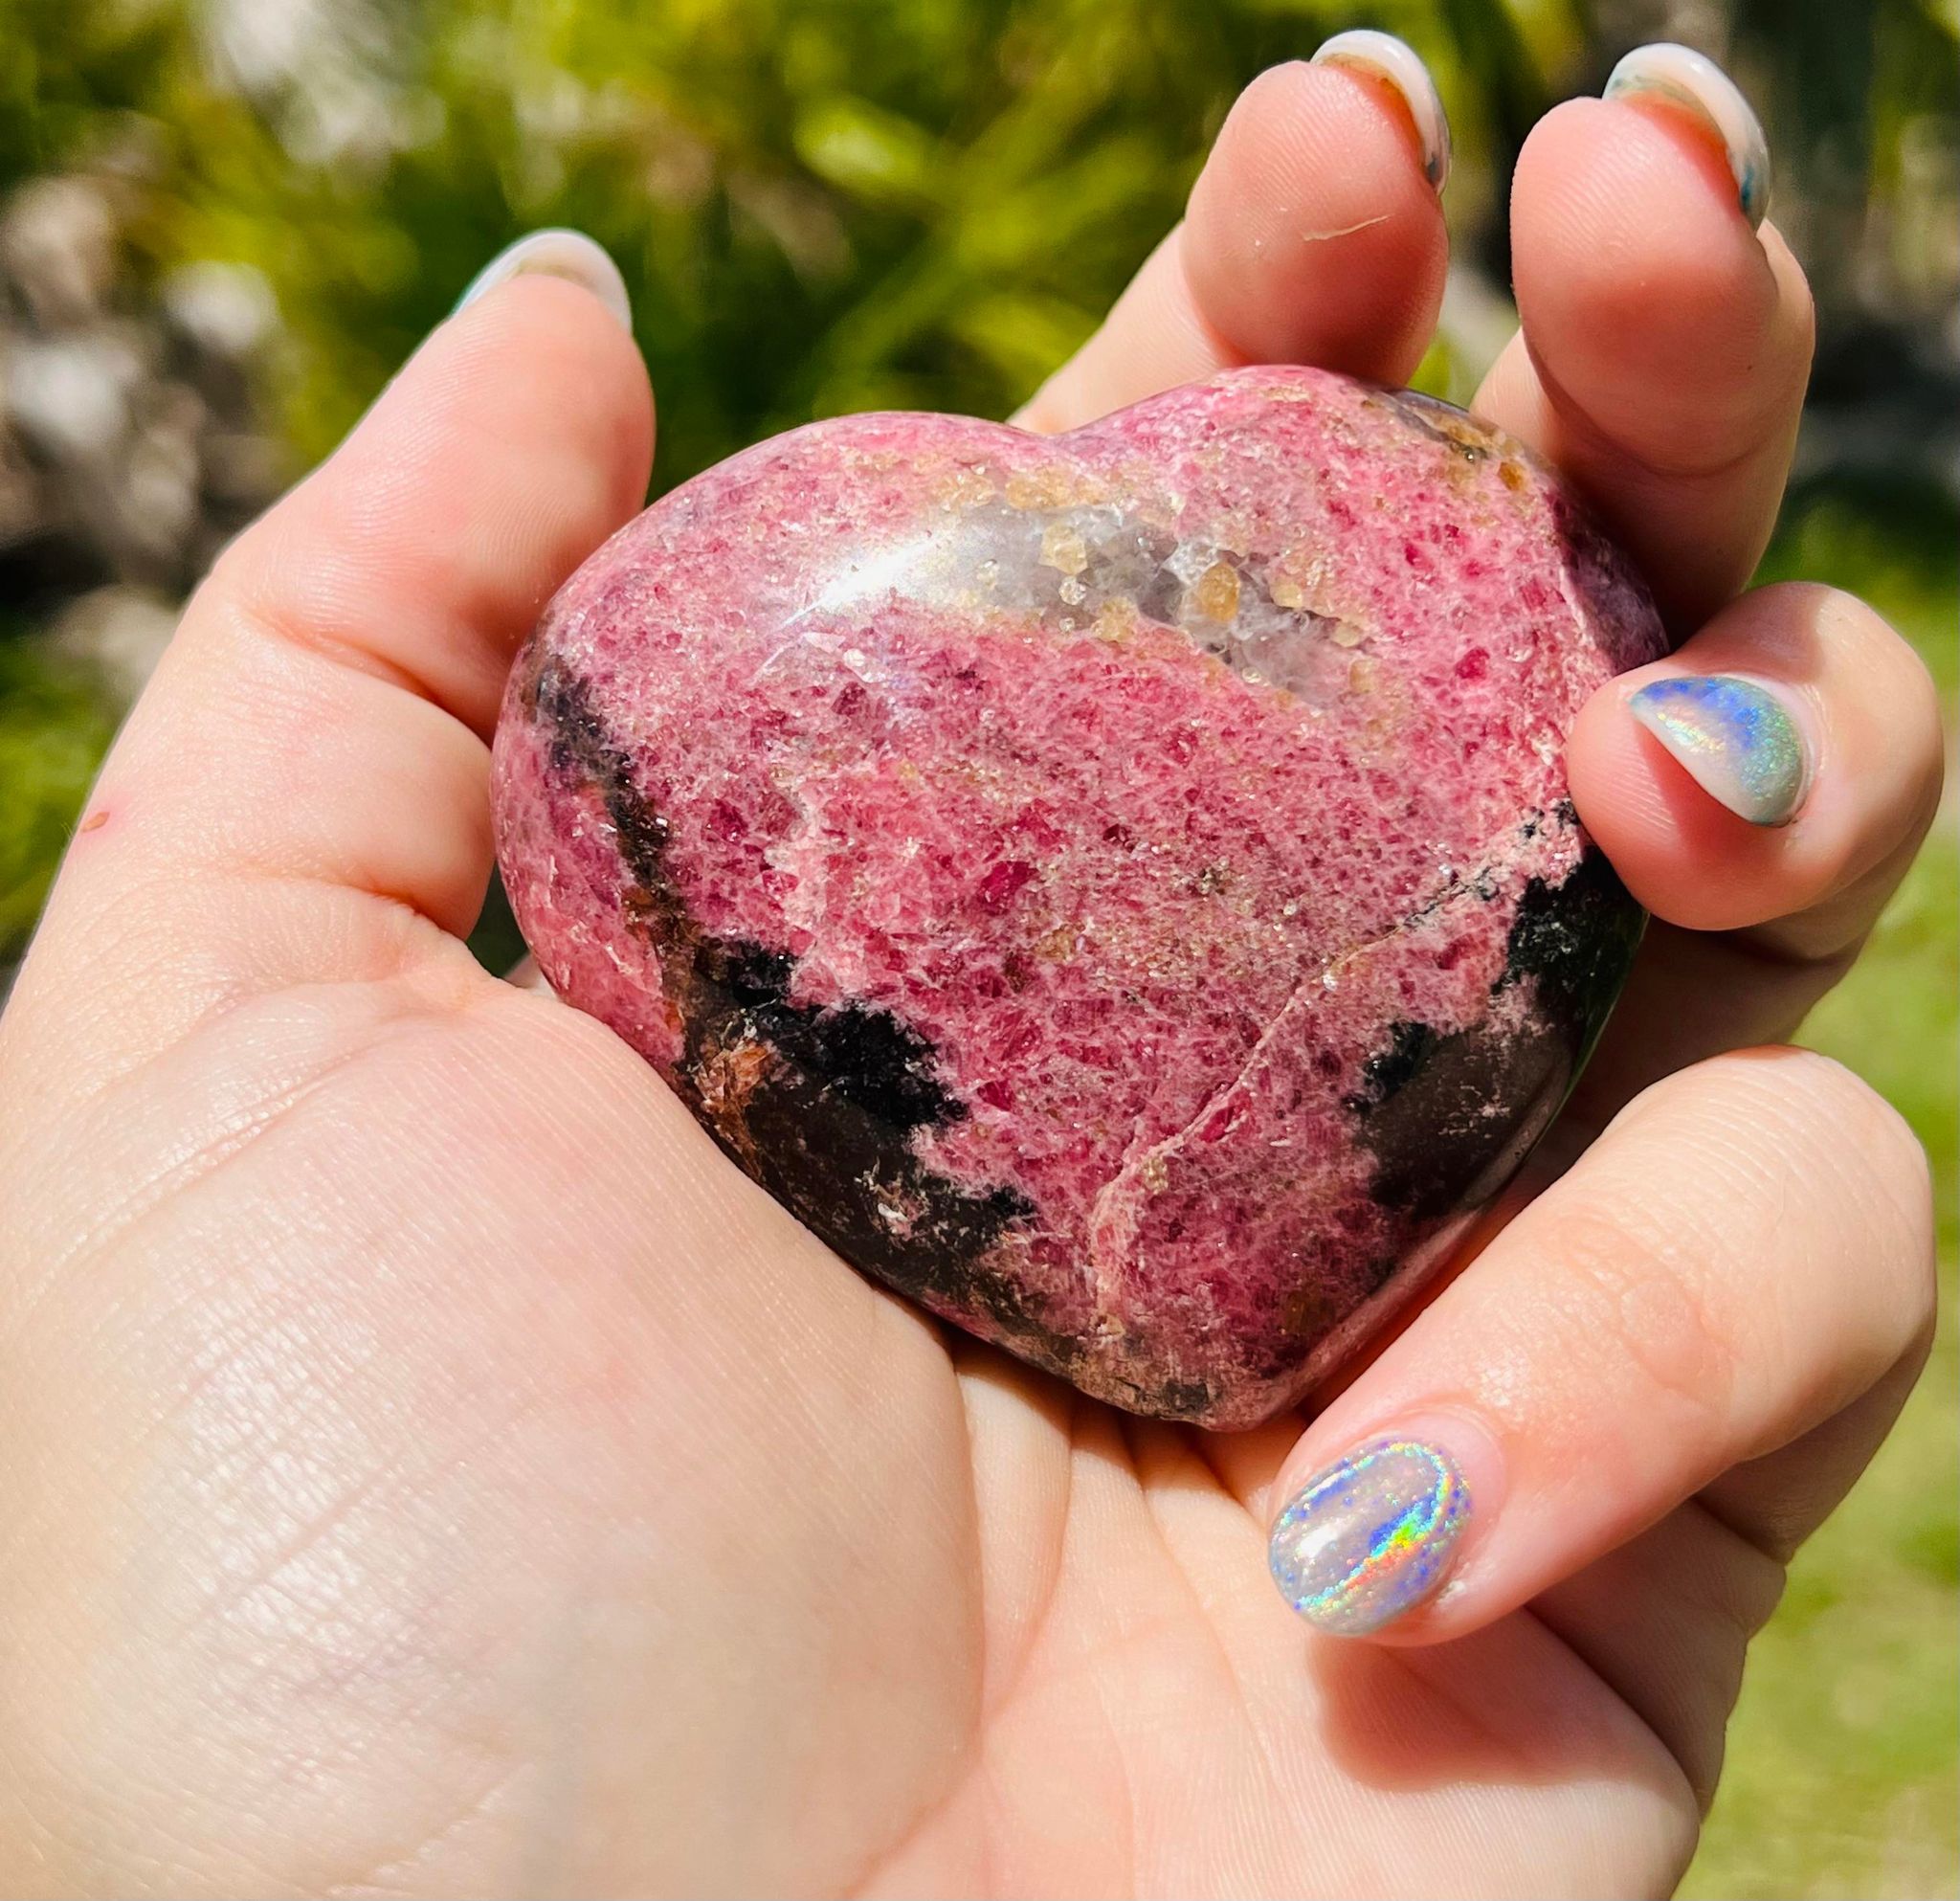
(1369, 1538)
(1691, 81)
(1381, 56)
(555, 253)
(1735, 739)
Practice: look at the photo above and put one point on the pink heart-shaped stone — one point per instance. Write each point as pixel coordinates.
(1119, 890)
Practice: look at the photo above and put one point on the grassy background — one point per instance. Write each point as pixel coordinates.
(822, 205)
(1840, 1777)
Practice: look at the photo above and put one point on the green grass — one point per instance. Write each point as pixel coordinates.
(1842, 1777)
(53, 731)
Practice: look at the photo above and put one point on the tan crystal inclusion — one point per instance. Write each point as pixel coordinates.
(1064, 548)
(1217, 592)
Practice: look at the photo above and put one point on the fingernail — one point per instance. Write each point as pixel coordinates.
(1381, 56)
(1691, 81)
(1369, 1538)
(1737, 738)
(569, 254)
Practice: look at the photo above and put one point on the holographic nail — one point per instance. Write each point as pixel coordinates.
(1369, 1538)
(1692, 81)
(555, 253)
(1381, 56)
(1735, 738)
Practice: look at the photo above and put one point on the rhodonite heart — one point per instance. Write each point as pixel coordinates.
(1119, 890)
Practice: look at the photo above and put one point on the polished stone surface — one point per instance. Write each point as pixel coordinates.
(1119, 890)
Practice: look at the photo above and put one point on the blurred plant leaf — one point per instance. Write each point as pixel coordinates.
(874, 155)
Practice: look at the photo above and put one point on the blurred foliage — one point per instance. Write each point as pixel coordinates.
(831, 204)
(823, 205)
(53, 729)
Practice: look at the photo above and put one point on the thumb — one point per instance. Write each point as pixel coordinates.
(303, 787)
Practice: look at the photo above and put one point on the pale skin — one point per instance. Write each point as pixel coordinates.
(430, 1468)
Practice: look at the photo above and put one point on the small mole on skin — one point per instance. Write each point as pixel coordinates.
(94, 822)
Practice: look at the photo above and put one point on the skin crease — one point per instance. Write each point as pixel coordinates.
(429, 1468)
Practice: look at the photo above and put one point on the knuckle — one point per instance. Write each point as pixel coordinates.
(1794, 1158)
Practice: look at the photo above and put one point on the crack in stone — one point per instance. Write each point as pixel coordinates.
(1106, 1209)
(1107, 1230)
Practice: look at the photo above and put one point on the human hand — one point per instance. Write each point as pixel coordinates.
(433, 1468)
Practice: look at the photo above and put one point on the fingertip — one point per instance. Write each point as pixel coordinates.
(1677, 329)
(1313, 234)
(1382, 59)
(1865, 711)
(1603, 182)
(1665, 346)
(561, 253)
(515, 440)
(1677, 81)
(1604, 161)
(572, 341)
(1684, 855)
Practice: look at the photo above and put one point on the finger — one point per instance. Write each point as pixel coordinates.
(1666, 1618)
(1743, 1254)
(1777, 773)
(1665, 1621)
(311, 756)
(1313, 235)
(1665, 342)
(1764, 790)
